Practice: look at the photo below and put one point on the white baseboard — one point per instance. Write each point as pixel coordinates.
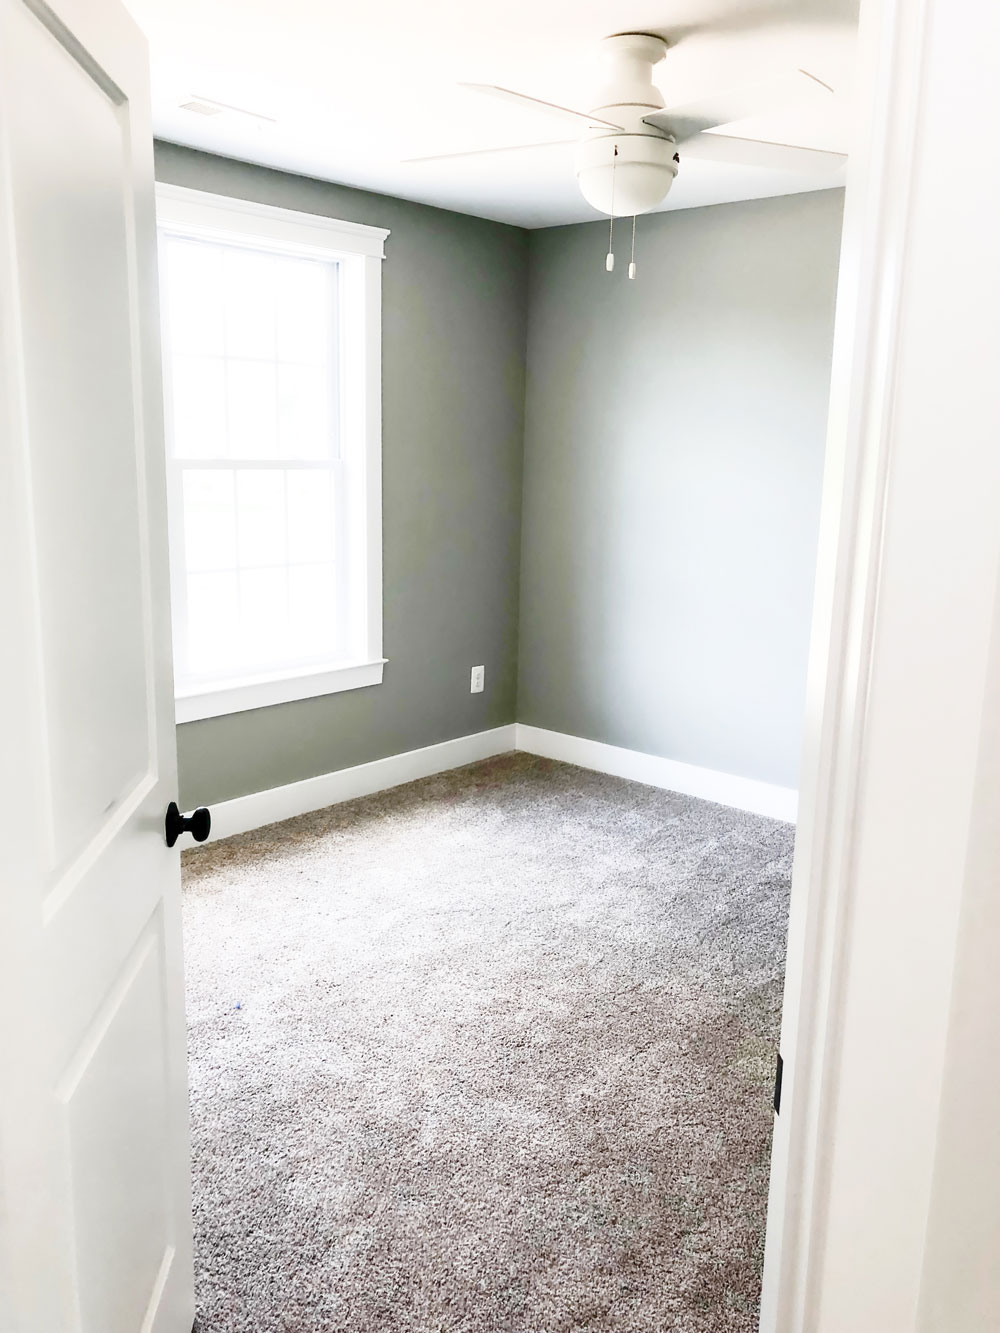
(298, 798)
(723, 788)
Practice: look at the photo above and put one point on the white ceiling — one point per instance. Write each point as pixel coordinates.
(356, 88)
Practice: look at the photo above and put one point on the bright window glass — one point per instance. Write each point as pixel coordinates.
(250, 350)
(272, 389)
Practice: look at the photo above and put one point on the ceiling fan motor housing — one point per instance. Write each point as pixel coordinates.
(631, 170)
(628, 59)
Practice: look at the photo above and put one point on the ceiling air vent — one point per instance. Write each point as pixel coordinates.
(200, 108)
(208, 106)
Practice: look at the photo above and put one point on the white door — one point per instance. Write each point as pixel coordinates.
(95, 1230)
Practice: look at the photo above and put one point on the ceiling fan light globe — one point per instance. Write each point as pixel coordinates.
(642, 172)
(638, 188)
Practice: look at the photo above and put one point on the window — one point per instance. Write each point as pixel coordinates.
(271, 352)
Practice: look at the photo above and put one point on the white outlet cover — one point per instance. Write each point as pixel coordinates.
(478, 680)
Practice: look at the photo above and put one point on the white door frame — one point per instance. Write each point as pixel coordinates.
(865, 339)
(885, 816)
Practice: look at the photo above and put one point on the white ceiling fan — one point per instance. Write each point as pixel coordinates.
(628, 153)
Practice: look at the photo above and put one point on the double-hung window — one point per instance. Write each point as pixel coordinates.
(272, 382)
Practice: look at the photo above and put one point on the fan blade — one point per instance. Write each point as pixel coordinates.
(769, 156)
(508, 95)
(482, 152)
(724, 108)
(700, 19)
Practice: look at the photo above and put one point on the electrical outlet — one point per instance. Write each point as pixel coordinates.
(478, 680)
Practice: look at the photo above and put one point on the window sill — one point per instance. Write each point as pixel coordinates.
(238, 696)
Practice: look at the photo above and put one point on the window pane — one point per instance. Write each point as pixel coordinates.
(209, 520)
(313, 612)
(251, 354)
(303, 412)
(213, 624)
(261, 501)
(194, 304)
(198, 403)
(249, 278)
(263, 616)
(304, 307)
(252, 409)
(310, 516)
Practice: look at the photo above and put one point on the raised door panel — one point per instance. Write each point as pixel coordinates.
(73, 231)
(113, 1096)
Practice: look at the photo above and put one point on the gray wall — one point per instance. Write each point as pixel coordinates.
(453, 336)
(670, 433)
(674, 440)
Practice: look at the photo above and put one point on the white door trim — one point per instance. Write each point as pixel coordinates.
(865, 342)
(833, 925)
(880, 170)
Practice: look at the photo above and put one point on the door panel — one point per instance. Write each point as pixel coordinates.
(117, 1146)
(76, 302)
(95, 1222)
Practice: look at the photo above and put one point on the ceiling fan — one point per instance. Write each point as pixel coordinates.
(627, 156)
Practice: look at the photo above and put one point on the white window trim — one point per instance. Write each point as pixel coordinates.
(237, 696)
(220, 218)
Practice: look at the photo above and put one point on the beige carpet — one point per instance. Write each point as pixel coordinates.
(493, 1051)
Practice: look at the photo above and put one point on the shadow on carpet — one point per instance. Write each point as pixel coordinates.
(489, 1052)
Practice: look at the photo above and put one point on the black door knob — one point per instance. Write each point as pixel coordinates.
(198, 823)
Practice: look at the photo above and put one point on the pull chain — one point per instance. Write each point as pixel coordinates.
(631, 267)
(609, 263)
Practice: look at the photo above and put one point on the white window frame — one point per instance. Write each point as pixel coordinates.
(358, 251)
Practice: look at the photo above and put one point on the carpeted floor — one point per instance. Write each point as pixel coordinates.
(490, 1052)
